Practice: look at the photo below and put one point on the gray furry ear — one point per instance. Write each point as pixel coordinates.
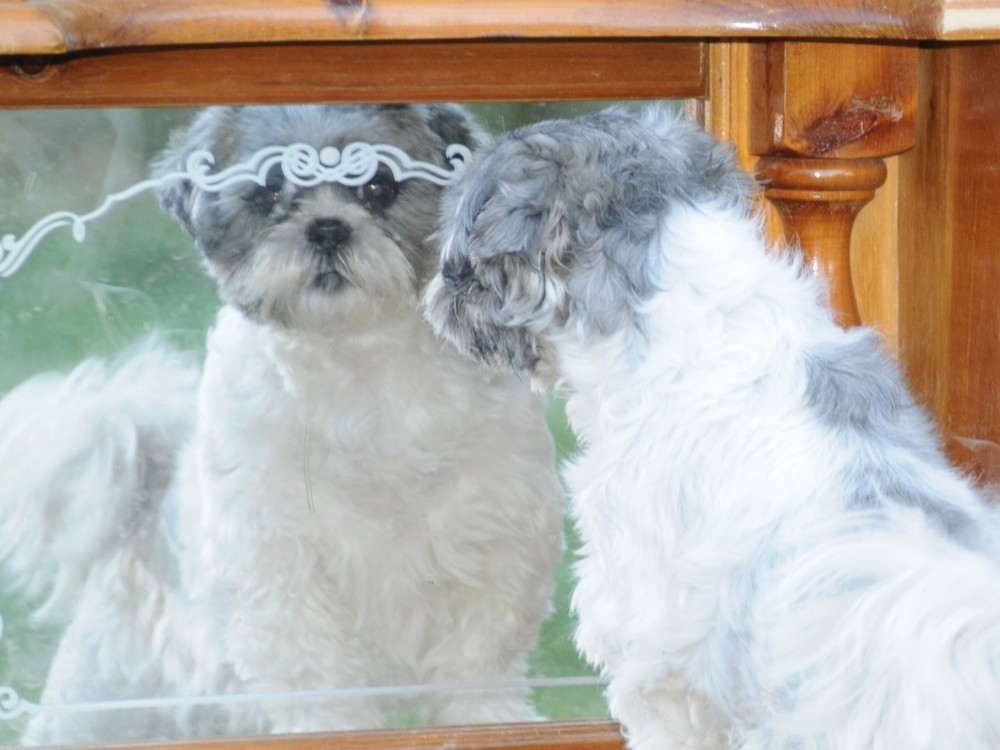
(213, 130)
(561, 226)
(513, 235)
(453, 124)
(709, 168)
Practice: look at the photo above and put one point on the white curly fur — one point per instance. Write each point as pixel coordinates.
(776, 553)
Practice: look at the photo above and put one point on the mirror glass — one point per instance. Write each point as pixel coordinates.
(163, 659)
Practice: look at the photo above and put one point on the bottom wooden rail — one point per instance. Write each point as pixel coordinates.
(575, 735)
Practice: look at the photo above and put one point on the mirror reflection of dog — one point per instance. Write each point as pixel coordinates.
(338, 500)
(776, 553)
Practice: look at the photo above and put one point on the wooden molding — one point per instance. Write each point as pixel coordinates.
(833, 99)
(488, 70)
(53, 27)
(818, 200)
(949, 266)
(572, 735)
(875, 258)
(824, 117)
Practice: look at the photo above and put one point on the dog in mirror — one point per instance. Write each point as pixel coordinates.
(336, 500)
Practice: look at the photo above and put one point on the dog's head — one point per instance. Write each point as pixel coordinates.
(553, 232)
(297, 256)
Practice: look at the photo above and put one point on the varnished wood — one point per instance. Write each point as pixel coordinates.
(726, 112)
(874, 258)
(576, 735)
(949, 266)
(729, 96)
(834, 99)
(818, 200)
(146, 52)
(57, 27)
(824, 116)
(49, 27)
(733, 94)
(490, 70)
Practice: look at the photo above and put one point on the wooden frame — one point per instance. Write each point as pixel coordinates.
(448, 70)
(193, 52)
(56, 27)
(574, 735)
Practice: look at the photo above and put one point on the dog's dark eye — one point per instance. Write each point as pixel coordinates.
(265, 197)
(380, 193)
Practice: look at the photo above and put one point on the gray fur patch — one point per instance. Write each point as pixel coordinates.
(875, 485)
(853, 386)
(557, 224)
(856, 391)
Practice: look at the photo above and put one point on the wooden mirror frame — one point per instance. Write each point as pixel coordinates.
(818, 97)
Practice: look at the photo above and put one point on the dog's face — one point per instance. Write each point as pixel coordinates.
(299, 256)
(554, 232)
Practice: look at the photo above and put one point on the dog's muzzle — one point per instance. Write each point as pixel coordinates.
(328, 236)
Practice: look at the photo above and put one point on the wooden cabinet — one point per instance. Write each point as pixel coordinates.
(874, 124)
(949, 251)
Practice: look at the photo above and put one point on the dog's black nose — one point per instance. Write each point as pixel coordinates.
(328, 235)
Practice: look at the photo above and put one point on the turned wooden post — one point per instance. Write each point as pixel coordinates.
(822, 118)
(818, 200)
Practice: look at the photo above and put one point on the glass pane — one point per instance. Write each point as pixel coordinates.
(132, 275)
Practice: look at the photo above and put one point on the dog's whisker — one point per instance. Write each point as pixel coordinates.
(306, 473)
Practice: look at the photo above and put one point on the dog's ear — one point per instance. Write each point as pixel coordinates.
(511, 231)
(564, 227)
(705, 168)
(453, 124)
(213, 131)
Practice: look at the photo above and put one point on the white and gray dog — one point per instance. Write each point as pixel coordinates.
(775, 552)
(337, 500)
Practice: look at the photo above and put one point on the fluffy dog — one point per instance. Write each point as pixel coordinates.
(337, 500)
(776, 553)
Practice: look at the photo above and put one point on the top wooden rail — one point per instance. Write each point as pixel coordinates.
(58, 27)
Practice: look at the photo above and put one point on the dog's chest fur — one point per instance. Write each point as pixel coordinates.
(347, 478)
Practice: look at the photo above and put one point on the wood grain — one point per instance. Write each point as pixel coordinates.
(100, 24)
(824, 116)
(818, 201)
(834, 99)
(190, 52)
(949, 265)
(875, 258)
(578, 735)
(732, 95)
(488, 70)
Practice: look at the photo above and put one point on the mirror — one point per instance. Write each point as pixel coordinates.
(230, 634)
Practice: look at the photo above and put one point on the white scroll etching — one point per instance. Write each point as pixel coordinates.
(301, 164)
